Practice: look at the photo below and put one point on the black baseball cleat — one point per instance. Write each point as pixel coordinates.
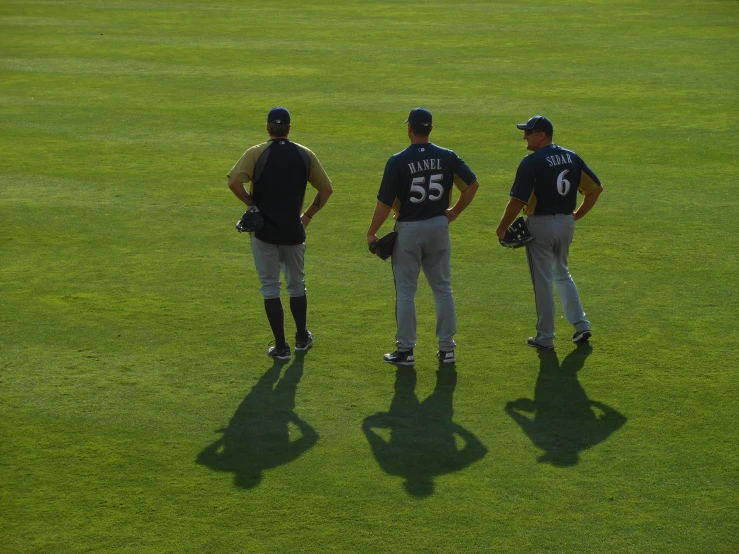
(281, 352)
(446, 357)
(533, 342)
(304, 343)
(582, 336)
(400, 358)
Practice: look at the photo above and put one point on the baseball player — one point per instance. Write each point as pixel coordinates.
(417, 185)
(546, 187)
(279, 171)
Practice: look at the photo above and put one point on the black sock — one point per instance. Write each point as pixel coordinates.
(276, 317)
(299, 309)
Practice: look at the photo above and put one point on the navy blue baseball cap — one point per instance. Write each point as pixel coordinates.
(419, 118)
(537, 123)
(278, 114)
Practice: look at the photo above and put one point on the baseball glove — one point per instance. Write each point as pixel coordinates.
(517, 235)
(251, 221)
(383, 247)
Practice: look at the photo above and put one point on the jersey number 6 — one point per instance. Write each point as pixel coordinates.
(417, 187)
(563, 185)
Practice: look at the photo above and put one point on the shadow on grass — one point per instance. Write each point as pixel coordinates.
(258, 436)
(421, 437)
(561, 419)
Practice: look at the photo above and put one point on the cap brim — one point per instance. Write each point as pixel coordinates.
(524, 126)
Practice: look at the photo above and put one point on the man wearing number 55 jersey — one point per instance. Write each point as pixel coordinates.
(417, 185)
(546, 187)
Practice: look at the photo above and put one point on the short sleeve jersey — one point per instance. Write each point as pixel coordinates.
(548, 181)
(279, 171)
(418, 181)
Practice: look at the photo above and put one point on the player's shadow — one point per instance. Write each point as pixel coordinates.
(418, 440)
(561, 419)
(258, 437)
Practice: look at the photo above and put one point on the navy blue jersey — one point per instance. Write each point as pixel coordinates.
(418, 181)
(548, 180)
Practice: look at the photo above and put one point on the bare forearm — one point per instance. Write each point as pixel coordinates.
(512, 209)
(318, 202)
(465, 199)
(240, 192)
(382, 211)
(587, 204)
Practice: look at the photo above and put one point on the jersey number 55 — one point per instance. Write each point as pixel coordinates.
(433, 190)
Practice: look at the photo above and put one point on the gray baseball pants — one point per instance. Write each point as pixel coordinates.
(423, 245)
(270, 259)
(547, 256)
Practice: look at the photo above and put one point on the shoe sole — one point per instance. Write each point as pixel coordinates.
(582, 337)
(448, 361)
(400, 363)
(300, 346)
(534, 345)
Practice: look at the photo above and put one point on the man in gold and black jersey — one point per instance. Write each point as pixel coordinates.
(278, 172)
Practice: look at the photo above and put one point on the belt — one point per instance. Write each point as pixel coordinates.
(550, 214)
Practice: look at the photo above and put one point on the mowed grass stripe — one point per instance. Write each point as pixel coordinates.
(133, 332)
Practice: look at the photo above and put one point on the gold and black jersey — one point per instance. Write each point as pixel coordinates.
(279, 171)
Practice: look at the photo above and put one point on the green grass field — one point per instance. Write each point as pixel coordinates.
(138, 410)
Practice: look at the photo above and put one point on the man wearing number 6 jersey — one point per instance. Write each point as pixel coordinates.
(417, 185)
(546, 187)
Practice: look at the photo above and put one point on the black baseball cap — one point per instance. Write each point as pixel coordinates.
(537, 123)
(278, 114)
(419, 118)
